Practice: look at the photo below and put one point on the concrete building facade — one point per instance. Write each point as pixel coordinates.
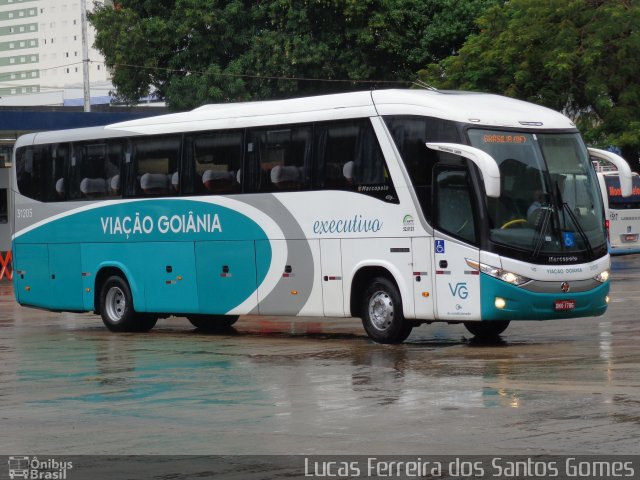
(41, 51)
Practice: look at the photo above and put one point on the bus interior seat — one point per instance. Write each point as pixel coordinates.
(347, 172)
(175, 182)
(338, 176)
(93, 187)
(155, 183)
(114, 184)
(219, 182)
(286, 177)
(60, 190)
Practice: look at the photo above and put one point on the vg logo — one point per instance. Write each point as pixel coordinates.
(459, 290)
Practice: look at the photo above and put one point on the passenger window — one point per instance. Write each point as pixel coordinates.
(155, 165)
(41, 172)
(348, 157)
(410, 134)
(95, 170)
(59, 158)
(453, 207)
(283, 159)
(216, 163)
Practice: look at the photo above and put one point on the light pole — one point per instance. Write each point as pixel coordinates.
(85, 57)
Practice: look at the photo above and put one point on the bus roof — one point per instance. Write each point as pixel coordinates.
(468, 107)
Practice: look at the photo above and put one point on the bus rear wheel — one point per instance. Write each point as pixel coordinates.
(116, 308)
(212, 323)
(382, 315)
(488, 329)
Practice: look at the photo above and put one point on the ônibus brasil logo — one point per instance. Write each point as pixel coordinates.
(33, 468)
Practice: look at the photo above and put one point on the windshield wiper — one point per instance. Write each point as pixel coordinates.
(574, 219)
(579, 228)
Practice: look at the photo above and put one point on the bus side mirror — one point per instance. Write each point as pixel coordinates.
(624, 171)
(485, 162)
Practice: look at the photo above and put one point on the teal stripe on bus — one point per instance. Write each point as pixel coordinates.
(179, 256)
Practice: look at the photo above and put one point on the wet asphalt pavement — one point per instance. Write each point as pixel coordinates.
(319, 386)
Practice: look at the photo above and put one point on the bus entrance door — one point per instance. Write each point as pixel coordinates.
(457, 284)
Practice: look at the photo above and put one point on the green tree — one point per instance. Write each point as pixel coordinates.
(577, 56)
(192, 52)
(179, 49)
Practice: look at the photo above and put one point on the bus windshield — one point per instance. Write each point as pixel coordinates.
(549, 203)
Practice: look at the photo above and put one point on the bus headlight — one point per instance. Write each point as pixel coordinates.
(505, 276)
(602, 276)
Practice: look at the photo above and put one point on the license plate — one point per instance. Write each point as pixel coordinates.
(562, 305)
(630, 237)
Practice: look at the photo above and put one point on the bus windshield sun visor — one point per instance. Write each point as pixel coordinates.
(624, 171)
(485, 162)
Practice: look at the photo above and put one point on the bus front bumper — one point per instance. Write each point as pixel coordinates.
(520, 304)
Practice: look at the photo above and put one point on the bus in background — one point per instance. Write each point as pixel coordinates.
(622, 213)
(6, 148)
(401, 207)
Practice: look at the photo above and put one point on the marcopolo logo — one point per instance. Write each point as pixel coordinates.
(38, 469)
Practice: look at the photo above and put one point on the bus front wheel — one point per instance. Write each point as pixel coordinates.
(212, 323)
(116, 308)
(382, 315)
(488, 329)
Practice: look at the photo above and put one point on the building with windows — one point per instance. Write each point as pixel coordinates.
(41, 54)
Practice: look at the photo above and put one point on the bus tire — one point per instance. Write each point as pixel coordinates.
(145, 321)
(382, 315)
(488, 329)
(212, 323)
(116, 308)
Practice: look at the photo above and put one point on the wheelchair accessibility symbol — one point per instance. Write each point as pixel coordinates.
(439, 246)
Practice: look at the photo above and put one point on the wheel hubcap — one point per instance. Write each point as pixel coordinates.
(381, 310)
(115, 304)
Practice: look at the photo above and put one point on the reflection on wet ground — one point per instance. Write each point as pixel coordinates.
(282, 386)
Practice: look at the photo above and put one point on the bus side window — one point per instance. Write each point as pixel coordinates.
(113, 168)
(214, 163)
(59, 163)
(410, 134)
(336, 147)
(348, 157)
(32, 166)
(155, 161)
(283, 159)
(94, 170)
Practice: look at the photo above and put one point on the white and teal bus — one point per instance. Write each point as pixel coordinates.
(622, 213)
(401, 207)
